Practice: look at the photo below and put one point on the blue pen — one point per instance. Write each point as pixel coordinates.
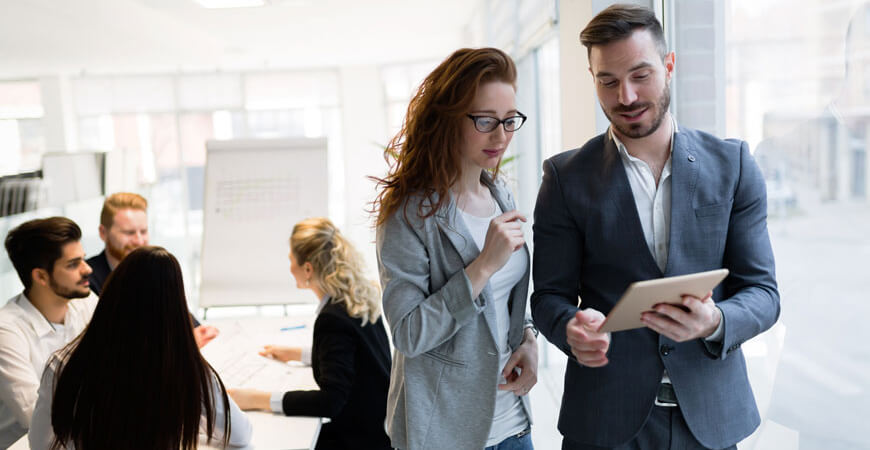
(296, 327)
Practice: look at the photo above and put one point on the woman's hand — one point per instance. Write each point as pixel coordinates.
(249, 399)
(504, 236)
(282, 353)
(525, 358)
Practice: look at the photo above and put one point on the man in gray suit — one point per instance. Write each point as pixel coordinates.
(644, 200)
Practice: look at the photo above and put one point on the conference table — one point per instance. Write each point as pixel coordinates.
(234, 355)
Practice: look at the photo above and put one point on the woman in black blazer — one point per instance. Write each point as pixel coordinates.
(350, 354)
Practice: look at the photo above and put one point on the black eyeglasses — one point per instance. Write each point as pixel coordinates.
(487, 124)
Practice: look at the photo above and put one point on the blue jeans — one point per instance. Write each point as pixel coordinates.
(521, 441)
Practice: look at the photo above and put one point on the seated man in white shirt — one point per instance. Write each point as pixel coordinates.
(55, 306)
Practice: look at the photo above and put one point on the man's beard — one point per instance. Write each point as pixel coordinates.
(61, 291)
(119, 253)
(635, 131)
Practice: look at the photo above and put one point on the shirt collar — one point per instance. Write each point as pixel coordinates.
(32, 315)
(321, 305)
(624, 151)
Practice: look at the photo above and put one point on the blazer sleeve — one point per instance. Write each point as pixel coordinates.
(557, 261)
(752, 303)
(334, 354)
(420, 320)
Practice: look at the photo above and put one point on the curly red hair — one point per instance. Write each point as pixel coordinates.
(424, 157)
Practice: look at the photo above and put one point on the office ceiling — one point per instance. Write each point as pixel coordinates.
(45, 37)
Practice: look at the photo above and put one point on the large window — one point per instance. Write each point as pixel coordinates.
(22, 137)
(155, 128)
(796, 88)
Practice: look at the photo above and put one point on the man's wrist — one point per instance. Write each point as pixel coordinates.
(718, 332)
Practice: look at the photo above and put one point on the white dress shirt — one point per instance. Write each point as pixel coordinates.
(41, 433)
(27, 340)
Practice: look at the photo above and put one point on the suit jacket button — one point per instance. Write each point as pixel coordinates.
(665, 350)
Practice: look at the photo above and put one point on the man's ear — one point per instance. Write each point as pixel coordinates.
(670, 63)
(40, 276)
(103, 233)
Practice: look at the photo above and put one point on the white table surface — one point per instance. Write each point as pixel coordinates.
(271, 431)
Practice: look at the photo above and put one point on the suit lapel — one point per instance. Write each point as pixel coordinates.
(685, 166)
(457, 233)
(452, 225)
(623, 200)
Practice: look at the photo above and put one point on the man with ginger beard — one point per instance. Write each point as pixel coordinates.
(124, 228)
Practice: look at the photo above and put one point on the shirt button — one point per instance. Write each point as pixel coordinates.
(665, 350)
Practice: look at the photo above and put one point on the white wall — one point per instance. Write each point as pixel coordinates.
(364, 134)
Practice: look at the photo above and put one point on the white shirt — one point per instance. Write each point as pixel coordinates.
(27, 340)
(41, 433)
(509, 417)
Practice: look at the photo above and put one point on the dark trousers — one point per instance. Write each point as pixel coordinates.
(665, 429)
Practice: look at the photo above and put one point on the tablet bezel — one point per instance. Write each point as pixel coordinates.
(642, 295)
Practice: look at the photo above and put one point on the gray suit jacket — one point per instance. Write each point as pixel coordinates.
(445, 372)
(589, 242)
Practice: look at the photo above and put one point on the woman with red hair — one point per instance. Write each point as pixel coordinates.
(454, 266)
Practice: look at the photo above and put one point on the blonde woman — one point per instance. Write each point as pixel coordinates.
(350, 353)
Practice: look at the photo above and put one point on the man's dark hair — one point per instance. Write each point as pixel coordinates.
(618, 22)
(38, 244)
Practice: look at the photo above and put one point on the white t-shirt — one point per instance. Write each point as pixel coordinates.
(510, 416)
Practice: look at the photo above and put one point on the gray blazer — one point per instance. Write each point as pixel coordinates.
(445, 372)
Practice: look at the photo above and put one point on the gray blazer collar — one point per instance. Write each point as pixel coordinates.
(456, 231)
(460, 237)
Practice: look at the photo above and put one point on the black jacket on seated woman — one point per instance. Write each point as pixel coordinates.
(351, 364)
(350, 352)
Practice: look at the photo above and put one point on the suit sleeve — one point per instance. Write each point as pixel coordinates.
(752, 303)
(419, 320)
(557, 261)
(335, 352)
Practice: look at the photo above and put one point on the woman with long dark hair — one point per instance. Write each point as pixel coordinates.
(350, 353)
(135, 379)
(454, 266)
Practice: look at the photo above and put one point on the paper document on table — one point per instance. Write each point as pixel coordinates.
(234, 355)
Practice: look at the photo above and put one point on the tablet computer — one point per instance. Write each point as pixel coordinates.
(642, 295)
